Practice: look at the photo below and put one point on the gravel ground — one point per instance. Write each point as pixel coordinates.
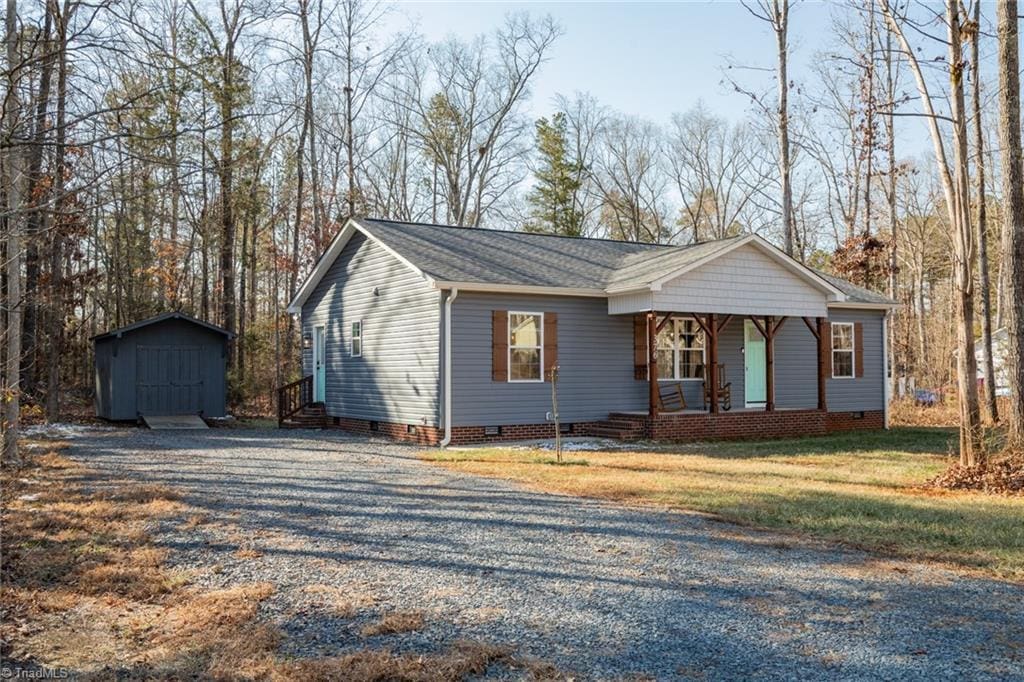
(350, 529)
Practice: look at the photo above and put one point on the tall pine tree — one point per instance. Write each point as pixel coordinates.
(552, 200)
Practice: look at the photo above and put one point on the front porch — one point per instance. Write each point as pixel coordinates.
(695, 391)
(694, 355)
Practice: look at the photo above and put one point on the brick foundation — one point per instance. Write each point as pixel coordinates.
(737, 425)
(413, 433)
(687, 427)
(855, 421)
(461, 435)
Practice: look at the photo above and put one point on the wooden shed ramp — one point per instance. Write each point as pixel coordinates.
(180, 421)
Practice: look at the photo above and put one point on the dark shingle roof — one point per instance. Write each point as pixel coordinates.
(469, 254)
(173, 315)
(485, 256)
(857, 294)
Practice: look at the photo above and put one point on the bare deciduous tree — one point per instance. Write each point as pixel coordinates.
(956, 189)
(717, 170)
(1013, 208)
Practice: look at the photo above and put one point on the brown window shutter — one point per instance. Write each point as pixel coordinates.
(499, 345)
(826, 348)
(640, 347)
(858, 349)
(550, 343)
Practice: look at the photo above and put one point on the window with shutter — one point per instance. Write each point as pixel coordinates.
(843, 346)
(525, 346)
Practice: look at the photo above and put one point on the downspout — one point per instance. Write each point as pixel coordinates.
(886, 383)
(452, 295)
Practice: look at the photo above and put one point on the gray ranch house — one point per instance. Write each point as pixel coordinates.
(444, 334)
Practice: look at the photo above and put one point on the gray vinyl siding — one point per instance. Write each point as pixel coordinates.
(796, 368)
(867, 392)
(397, 377)
(595, 354)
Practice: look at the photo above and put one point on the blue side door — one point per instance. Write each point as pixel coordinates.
(319, 365)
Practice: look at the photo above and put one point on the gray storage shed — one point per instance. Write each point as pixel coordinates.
(171, 364)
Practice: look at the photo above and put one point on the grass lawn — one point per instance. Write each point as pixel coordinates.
(864, 489)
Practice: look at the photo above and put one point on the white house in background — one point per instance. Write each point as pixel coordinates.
(1000, 358)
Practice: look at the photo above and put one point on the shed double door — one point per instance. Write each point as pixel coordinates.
(169, 380)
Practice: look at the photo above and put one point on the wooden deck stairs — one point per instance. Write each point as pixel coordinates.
(312, 416)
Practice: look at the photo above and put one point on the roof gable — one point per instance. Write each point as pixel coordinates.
(742, 280)
(163, 317)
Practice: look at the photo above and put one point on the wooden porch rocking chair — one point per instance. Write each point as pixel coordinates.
(724, 390)
(670, 398)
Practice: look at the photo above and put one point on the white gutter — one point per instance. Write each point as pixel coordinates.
(886, 382)
(452, 295)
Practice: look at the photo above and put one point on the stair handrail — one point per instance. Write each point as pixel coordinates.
(292, 397)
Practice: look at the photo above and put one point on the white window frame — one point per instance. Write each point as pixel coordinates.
(852, 350)
(540, 346)
(356, 339)
(676, 349)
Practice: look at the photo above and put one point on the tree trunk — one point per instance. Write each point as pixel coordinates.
(56, 313)
(1013, 210)
(36, 216)
(227, 235)
(890, 148)
(782, 45)
(981, 235)
(963, 252)
(12, 167)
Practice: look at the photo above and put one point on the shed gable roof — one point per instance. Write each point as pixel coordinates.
(162, 317)
(447, 256)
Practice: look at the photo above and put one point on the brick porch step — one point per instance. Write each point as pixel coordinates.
(620, 427)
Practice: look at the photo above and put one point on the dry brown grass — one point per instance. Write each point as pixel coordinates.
(906, 412)
(392, 623)
(84, 589)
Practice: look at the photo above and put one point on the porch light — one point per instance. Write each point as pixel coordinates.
(307, 340)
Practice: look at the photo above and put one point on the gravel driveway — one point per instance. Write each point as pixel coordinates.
(596, 589)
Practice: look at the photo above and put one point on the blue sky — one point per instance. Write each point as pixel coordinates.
(649, 59)
(653, 59)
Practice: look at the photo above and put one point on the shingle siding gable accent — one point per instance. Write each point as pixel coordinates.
(397, 377)
(745, 280)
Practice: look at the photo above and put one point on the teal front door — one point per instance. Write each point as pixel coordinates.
(754, 379)
(319, 365)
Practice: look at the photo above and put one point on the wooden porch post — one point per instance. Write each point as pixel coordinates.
(652, 363)
(712, 369)
(822, 357)
(769, 361)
